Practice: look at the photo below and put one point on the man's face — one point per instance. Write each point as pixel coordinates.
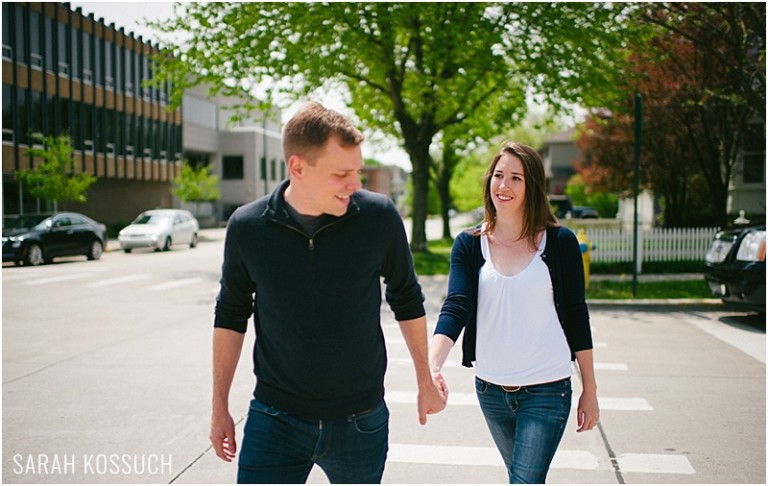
(326, 185)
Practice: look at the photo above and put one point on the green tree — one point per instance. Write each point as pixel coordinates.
(196, 184)
(606, 203)
(54, 178)
(411, 69)
(698, 116)
(460, 139)
(467, 183)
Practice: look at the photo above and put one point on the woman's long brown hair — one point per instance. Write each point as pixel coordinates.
(537, 211)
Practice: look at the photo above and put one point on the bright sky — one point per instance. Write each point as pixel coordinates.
(133, 16)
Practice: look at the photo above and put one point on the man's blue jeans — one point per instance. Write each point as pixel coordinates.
(282, 448)
(526, 425)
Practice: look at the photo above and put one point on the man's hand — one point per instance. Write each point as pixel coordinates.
(432, 398)
(223, 435)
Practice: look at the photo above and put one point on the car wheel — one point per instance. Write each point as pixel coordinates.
(127, 250)
(193, 243)
(34, 255)
(95, 251)
(167, 244)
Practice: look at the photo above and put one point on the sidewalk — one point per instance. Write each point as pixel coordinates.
(218, 234)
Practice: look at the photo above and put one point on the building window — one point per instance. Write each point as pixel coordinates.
(7, 49)
(232, 167)
(50, 32)
(7, 112)
(754, 154)
(21, 29)
(35, 48)
(75, 49)
(63, 67)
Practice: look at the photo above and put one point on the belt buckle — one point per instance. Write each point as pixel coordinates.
(511, 389)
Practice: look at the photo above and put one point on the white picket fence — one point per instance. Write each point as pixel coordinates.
(654, 245)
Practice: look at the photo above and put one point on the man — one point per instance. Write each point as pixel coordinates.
(306, 261)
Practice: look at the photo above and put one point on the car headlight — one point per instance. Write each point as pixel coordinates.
(752, 248)
(16, 241)
(718, 251)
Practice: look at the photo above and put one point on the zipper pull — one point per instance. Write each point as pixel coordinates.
(311, 244)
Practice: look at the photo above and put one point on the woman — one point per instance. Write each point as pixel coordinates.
(516, 288)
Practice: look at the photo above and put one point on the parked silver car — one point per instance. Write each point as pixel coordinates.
(160, 229)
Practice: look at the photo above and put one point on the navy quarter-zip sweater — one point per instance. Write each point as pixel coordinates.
(316, 301)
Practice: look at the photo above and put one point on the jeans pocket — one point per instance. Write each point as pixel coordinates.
(481, 387)
(261, 407)
(372, 421)
(558, 389)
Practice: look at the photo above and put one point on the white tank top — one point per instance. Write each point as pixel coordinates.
(519, 337)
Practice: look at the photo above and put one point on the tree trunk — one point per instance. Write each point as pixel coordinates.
(420, 177)
(443, 184)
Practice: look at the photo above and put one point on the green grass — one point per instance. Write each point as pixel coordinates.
(437, 262)
(682, 289)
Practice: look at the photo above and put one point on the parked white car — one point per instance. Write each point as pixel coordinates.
(160, 229)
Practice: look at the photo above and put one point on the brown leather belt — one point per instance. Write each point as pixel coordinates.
(515, 389)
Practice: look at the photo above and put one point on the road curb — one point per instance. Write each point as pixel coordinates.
(660, 304)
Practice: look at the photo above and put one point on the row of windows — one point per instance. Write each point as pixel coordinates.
(91, 128)
(44, 43)
(232, 168)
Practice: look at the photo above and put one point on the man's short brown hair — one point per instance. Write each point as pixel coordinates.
(310, 128)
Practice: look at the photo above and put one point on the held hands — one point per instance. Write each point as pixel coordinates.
(588, 412)
(432, 398)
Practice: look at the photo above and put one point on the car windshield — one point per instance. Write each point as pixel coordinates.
(159, 219)
(24, 222)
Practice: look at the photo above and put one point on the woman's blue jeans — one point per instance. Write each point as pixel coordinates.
(281, 448)
(526, 425)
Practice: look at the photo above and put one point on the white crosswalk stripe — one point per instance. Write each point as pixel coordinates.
(118, 280)
(470, 399)
(176, 283)
(655, 463)
(480, 456)
(611, 367)
(60, 278)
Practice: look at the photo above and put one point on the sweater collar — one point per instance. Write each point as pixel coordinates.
(276, 206)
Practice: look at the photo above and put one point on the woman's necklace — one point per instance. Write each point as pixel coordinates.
(509, 243)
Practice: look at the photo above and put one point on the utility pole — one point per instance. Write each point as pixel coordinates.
(636, 183)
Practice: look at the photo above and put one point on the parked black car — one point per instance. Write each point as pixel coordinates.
(735, 267)
(561, 205)
(34, 239)
(584, 212)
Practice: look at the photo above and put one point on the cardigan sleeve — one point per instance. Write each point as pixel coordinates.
(574, 315)
(458, 306)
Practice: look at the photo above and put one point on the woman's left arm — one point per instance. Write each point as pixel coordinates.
(588, 411)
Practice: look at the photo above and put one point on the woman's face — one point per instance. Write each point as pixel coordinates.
(507, 187)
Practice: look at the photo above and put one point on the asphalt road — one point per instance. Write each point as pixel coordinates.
(106, 379)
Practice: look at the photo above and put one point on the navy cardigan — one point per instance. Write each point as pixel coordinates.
(316, 301)
(563, 258)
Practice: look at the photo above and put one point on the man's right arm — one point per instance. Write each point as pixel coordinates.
(227, 345)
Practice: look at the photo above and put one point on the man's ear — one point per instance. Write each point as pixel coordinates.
(295, 165)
